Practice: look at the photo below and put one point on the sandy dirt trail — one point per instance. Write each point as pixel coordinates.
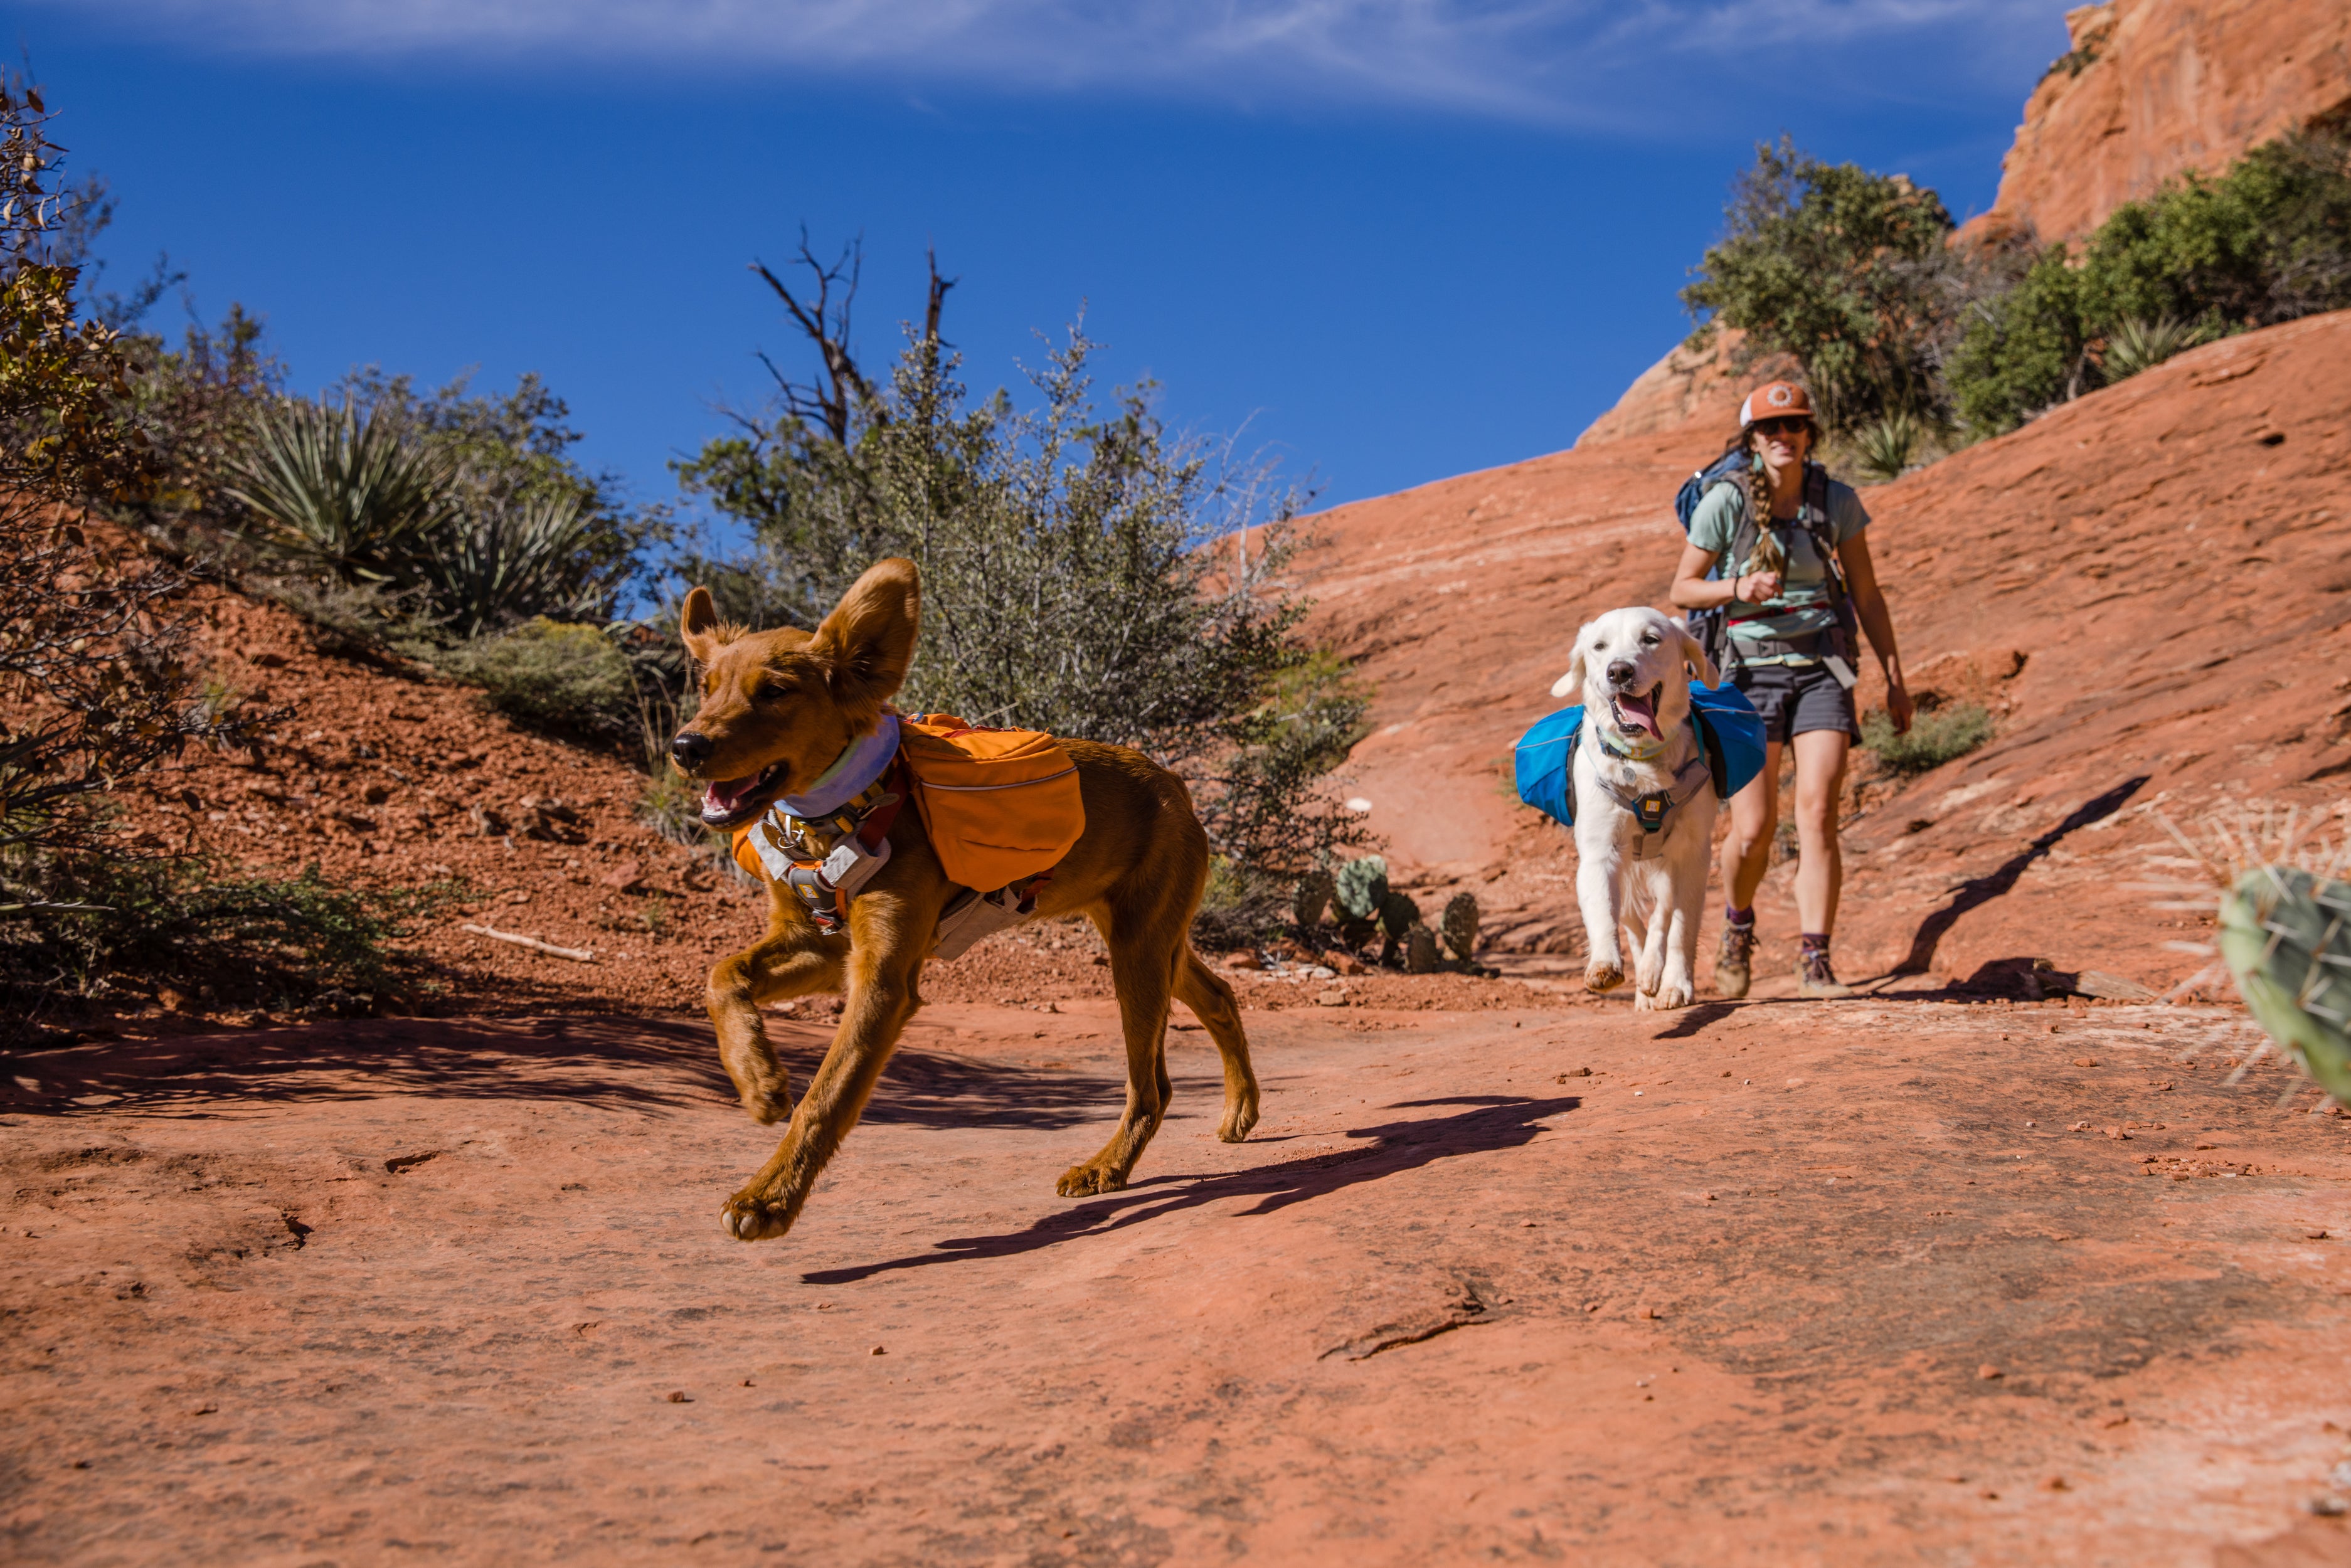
(1779, 1282)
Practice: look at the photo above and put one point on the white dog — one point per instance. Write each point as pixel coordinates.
(1645, 801)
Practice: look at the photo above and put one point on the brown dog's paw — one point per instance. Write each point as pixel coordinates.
(1235, 1128)
(768, 1103)
(1084, 1181)
(753, 1218)
(1602, 978)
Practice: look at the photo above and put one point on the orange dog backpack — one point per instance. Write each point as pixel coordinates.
(998, 804)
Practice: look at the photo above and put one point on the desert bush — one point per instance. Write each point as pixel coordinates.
(1840, 268)
(195, 409)
(97, 684)
(1936, 737)
(553, 674)
(1085, 571)
(249, 940)
(2021, 352)
(2269, 241)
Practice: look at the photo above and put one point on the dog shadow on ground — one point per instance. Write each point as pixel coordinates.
(1492, 1123)
(614, 1063)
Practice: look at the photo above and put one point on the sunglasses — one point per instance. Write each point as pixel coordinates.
(1789, 426)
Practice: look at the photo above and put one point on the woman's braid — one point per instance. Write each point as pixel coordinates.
(1767, 555)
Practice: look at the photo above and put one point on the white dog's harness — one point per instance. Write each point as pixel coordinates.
(1653, 810)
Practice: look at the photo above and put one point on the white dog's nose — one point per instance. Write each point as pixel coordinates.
(1620, 673)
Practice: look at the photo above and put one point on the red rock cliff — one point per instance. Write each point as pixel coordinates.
(2155, 86)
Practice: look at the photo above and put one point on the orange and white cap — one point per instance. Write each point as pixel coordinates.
(1776, 399)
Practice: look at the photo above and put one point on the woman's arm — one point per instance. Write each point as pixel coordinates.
(1691, 591)
(1869, 604)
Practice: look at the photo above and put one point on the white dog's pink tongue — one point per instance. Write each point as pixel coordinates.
(1635, 712)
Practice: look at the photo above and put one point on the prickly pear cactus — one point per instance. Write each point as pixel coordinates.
(2286, 935)
(1315, 890)
(1461, 925)
(1420, 955)
(1398, 916)
(1363, 887)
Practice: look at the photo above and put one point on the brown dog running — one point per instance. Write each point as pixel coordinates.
(776, 708)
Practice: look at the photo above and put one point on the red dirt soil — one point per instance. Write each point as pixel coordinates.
(1783, 1282)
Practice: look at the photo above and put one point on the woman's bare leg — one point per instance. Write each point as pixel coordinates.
(1820, 780)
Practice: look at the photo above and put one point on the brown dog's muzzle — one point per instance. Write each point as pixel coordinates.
(690, 750)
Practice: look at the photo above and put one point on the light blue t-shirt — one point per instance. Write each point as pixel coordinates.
(1803, 605)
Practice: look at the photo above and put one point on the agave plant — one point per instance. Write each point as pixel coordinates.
(341, 487)
(2138, 345)
(522, 558)
(1886, 447)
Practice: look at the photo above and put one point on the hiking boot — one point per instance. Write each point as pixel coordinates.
(1730, 969)
(1815, 981)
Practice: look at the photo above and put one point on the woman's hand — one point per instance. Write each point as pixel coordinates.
(1898, 704)
(1756, 587)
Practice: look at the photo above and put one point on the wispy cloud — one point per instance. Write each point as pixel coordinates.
(1583, 61)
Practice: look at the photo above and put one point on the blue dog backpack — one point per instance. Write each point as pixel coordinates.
(1729, 728)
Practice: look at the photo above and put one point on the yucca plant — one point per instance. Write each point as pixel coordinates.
(1886, 448)
(2137, 345)
(340, 488)
(482, 570)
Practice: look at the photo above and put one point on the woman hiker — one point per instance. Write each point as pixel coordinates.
(1791, 594)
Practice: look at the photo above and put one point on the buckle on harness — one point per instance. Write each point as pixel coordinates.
(1649, 810)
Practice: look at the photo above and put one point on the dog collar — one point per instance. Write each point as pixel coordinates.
(1648, 750)
(854, 772)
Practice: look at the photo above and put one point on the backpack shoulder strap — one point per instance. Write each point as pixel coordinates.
(1817, 523)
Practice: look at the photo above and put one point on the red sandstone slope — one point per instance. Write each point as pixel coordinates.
(2154, 87)
(2171, 557)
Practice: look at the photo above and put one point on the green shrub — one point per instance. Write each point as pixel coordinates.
(1840, 268)
(553, 674)
(247, 940)
(2022, 351)
(1935, 738)
(2269, 241)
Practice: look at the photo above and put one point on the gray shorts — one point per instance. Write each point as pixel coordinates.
(1793, 698)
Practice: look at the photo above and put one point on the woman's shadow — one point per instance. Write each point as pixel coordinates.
(1497, 1122)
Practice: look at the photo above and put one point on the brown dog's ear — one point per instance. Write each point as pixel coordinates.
(869, 638)
(1695, 652)
(698, 626)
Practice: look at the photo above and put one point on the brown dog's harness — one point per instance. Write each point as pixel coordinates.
(825, 860)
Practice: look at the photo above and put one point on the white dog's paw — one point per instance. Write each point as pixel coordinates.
(1601, 975)
(1648, 976)
(1672, 995)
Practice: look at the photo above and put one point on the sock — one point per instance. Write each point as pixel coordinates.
(1816, 941)
(1739, 917)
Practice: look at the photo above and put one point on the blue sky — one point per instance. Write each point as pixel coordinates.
(1395, 239)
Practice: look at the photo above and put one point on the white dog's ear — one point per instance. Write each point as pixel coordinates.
(1695, 652)
(1574, 680)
